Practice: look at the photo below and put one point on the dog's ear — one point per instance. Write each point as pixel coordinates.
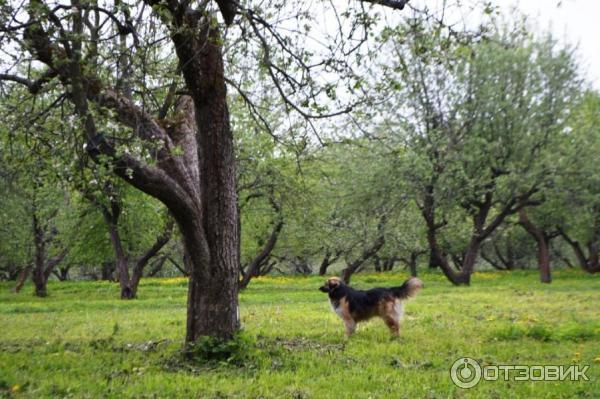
(333, 283)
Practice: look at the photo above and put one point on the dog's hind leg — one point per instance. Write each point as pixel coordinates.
(392, 317)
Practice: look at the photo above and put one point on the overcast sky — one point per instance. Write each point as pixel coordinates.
(575, 21)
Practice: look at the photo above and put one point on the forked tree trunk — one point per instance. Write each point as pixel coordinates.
(61, 273)
(482, 229)
(456, 277)
(325, 263)
(43, 267)
(129, 282)
(329, 259)
(253, 269)
(543, 244)
(590, 263)
(353, 266)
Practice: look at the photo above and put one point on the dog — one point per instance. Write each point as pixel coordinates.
(354, 306)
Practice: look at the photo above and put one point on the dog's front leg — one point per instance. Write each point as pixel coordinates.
(350, 326)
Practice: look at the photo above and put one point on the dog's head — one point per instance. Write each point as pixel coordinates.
(331, 284)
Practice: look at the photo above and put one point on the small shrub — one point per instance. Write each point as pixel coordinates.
(239, 351)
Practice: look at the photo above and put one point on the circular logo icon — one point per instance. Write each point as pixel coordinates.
(465, 372)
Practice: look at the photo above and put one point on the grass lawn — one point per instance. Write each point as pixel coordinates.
(83, 342)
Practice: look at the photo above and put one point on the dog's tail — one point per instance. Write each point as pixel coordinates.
(409, 289)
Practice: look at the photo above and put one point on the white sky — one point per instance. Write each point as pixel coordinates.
(575, 21)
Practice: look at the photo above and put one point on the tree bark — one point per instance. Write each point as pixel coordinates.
(463, 277)
(62, 273)
(412, 265)
(158, 266)
(211, 235)
(411, 261)
(108, 270)
(129, 283)
(253, 268)
(543, 243)
(367, 253)
(121, 262)
(482, 229)
(42, 266)
(328, 260)
(590, 263)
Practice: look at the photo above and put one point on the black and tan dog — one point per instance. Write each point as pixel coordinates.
(354, 306)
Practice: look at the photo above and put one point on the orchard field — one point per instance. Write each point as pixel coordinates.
(82, 341)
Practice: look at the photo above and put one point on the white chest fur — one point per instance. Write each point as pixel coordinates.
(337, 309)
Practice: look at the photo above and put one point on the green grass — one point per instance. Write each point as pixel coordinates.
(83, 342)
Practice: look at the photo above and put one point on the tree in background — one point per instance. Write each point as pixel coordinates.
(113, 201)
(480, 120)
(578, 190)
(40, 220)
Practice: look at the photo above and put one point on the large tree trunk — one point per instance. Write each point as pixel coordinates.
(197, 186)
(543, 244)
(212, 235)
(213, 287)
